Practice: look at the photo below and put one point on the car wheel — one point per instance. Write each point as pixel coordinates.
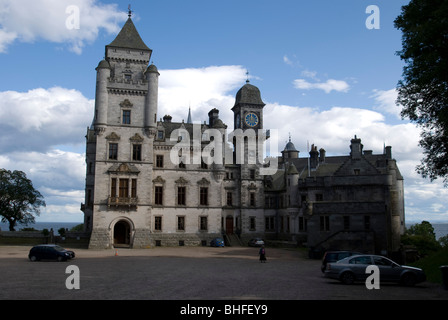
(60, 259)
(347, 277)
(408, 279)
(33, 258)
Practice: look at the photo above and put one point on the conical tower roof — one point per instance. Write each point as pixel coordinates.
(129, 38)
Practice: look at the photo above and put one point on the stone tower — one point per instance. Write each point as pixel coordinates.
(248, 125)
(120, 143)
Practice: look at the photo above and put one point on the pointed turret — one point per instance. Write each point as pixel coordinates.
(129, 38)
(189, 116)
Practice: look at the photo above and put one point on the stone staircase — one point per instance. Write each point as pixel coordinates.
(232, 240)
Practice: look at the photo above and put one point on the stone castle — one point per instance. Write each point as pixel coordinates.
(146, 185)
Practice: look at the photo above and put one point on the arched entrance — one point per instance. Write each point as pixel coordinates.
(122, 234)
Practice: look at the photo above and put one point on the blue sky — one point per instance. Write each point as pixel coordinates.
(323, 75)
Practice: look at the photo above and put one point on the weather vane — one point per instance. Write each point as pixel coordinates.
(247, 74)
(129, 11)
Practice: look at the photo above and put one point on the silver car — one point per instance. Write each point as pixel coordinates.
(351, 269)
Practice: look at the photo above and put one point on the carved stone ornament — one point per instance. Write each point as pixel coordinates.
(123, 168)
(136, 138)
(181, 180)
(158, 180)
(113, 136)
(126, 104)
(203, 182)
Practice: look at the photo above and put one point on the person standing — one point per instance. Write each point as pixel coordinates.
(262, 254)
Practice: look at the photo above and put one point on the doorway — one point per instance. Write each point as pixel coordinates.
(229, 225)
(122, 234)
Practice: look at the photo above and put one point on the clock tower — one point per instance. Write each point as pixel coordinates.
(248, 117)
(248, 109)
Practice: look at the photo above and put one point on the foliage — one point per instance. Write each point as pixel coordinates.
(423, 92)
(431, 264)
(443, 241)
(421, 236)
(19, 201)
(78, 228)
(45, 232)
(61, 232)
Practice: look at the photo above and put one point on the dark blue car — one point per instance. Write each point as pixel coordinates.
(50, 252)
(217, 242)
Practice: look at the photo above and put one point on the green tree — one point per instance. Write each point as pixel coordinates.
(423, 91)
(19, 201)
(423, 237)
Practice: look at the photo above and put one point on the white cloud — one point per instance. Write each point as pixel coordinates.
(202, 89)
(287, 60)
(310, 74)
(385, 100)
(41, 118)
(327, 86)
(34, 20)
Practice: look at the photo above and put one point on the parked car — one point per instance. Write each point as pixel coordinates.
(333, 256)
(217, 242)
(353, 269)
(50, 252)
(256, 242)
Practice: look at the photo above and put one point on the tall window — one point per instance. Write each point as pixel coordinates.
(270, 223)
(113, 188)
(158, 199)
(366, 222)
(181, 196)
(126, 117)
(158, 223)
(203, 225)
(203, 196)
(324, 223)
(181, 223)
(124, 188)
(137, 152)
(252, 174)
(252, 223)
(159, 161)
(113, 151)
(302, 224)
(134, 188)
(252, 199)
(229, 199)
(346, 222)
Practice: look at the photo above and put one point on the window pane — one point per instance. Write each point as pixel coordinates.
(158, 196)
(137, 152)
(181, 196)
(124, 188)
(204, 196)
(113, 151)
(126, 116)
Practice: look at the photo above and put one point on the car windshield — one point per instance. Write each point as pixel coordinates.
(58, 248)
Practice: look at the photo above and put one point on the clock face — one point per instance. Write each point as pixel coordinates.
(251, 119)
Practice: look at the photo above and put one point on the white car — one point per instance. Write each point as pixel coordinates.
(256, 242)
